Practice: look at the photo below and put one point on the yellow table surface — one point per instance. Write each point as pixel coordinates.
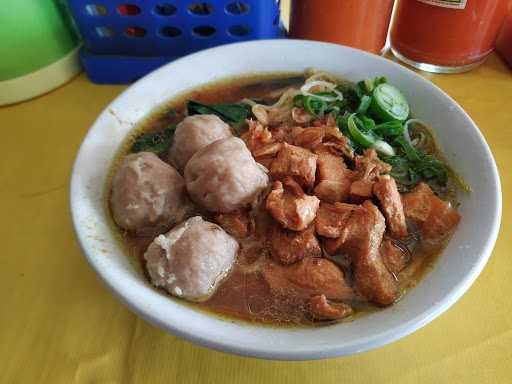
(59, 324)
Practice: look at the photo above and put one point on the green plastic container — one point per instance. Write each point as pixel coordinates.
(39, 49)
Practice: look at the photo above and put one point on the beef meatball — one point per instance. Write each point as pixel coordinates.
(190, 260)
(224, 176)
(147, 193)
(194, 133)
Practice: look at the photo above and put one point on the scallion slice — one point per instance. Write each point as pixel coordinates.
(362, 138)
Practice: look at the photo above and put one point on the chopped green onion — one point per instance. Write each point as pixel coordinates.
(369, 84)
(389, 129)
(364, 104)
(368, 123)
(406, 128)
(384, 148)
(305, 90)
(389, 104)
(365, 139)
(315, 106)
(410, 152)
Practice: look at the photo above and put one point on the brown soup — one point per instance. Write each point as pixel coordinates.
(244, 294)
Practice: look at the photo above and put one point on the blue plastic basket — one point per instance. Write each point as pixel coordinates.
(124, 40)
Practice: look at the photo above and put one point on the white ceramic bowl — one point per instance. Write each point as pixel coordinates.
(454, 272)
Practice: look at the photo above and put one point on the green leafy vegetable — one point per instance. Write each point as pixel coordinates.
(430, 168)
(389, 129)
(156, 142)
(314, 106)
(230, 113)
(374, 117)
(413, 166)
(364, 104)
(373, 114)
(410, 152)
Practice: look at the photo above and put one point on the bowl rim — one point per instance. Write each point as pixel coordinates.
(314, 352)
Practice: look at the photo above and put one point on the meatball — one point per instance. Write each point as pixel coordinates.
(190, 260)
(224, 176)
(146, 193)
(194, 133)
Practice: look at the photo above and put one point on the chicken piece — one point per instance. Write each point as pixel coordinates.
(330, 191)
(297, 162)
(334, 246)
(371, 276)
(364, 232)
(287, 247)
(367, 170)
(309, 277)
(324, 133)
(328, 120)
(331, 219)
(435, 218)
(361, 190)
(292, 208)
(270, 149)
(330, 164)
(266, 153)
(338, 144)
(276, 116)
(418, 203)
(310, 137)
(442, 221)
(285, 133)
(237, 223)
(300, 116)
(265, 161)
(386, 191)
(369, 166)
(320, 309)
(257, 135)
(335, 178)
(337, 244)
(394, 257)
(260, 142)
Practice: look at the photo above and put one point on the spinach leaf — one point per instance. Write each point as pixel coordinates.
(230, 113)
(425, 167)
(156, 142)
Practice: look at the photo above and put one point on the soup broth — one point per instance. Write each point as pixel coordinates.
(245, 294)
